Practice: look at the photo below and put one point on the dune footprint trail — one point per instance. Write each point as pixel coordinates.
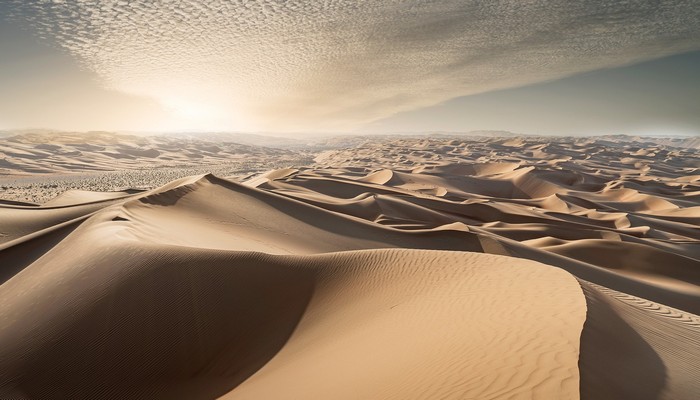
(350, 282)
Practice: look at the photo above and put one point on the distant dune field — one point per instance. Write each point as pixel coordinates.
(403, 268)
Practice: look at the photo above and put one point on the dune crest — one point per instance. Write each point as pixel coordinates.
(342, 311)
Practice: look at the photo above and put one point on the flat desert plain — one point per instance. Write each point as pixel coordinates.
(388, 268)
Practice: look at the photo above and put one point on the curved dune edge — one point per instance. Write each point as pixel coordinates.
(130, 318)
(633, 348)
(170, 275)
(431, 325)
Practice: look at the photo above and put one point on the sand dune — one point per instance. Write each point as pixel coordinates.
(35, 167)
(363, 276)
(629, 339)
(105, 151)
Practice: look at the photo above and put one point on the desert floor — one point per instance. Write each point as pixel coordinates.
(441, 267)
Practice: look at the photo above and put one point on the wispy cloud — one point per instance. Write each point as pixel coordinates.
(335, 64)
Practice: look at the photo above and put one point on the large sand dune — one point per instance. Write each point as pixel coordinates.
(363, 276)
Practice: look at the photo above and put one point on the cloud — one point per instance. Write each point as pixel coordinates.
(337, 64)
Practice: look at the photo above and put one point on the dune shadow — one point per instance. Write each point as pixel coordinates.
(615, 362)
(191, 324)
(19, 256)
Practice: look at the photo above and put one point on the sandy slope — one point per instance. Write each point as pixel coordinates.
(326, 281)
(199, 320)
(628, 339)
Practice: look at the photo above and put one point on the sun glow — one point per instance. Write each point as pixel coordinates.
(189, 110)
(195, 114)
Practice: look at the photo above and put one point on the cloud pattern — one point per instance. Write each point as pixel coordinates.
(336, 64)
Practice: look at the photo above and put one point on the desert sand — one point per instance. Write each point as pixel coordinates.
(403, 268)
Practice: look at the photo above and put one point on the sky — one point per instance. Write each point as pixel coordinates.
(528, 66)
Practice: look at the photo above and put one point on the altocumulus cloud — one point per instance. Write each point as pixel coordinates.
(336, 64)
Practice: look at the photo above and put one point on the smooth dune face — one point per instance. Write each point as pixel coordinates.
(362, 276)
(199, 316)
(405, 324)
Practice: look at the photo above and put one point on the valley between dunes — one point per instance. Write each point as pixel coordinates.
(439, 268)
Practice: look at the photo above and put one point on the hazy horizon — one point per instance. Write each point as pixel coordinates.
(310, 135)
